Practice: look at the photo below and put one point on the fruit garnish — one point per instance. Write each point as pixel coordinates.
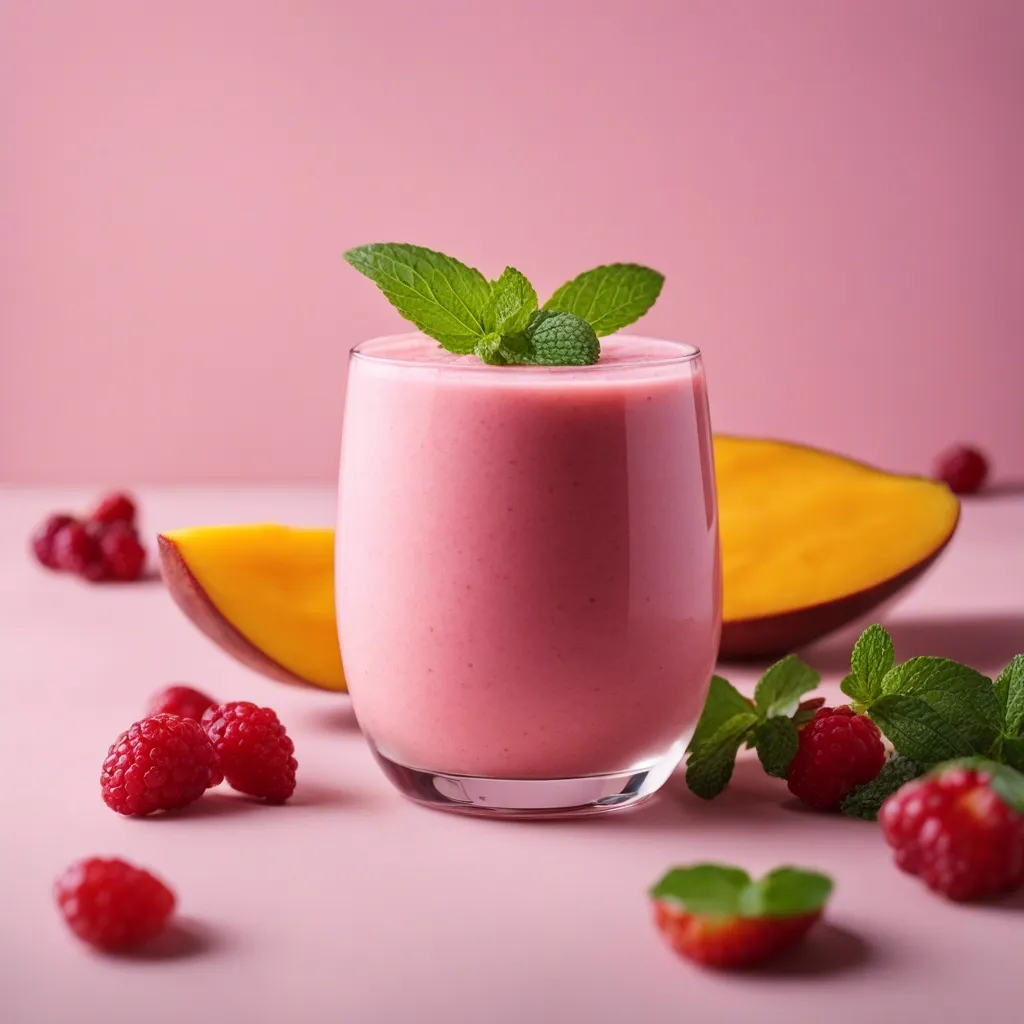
(44, 535)
(812, 541)
(499, 320)
(121, 551)
(111, 904)
(960, 828)
(183, 701)
(76, 549)
(116, 507)
(161, 763)
(716, 915)
(963, 469)
(254, 750)
(930, 709)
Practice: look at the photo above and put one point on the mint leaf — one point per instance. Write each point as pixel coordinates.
(719, 890)
(556, 339)
(963, 697)
(1009, 691)
(709, 766)
(777, 743)
(609, 297)
(779, 690)
(916, 729)
(785, 892)
(723, 702)
(444, 298)
(873, 656)
(1012, 752)
(865, 801)
(710, 889)
(511, 303)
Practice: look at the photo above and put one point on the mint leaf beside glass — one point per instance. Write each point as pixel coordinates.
(499, 320)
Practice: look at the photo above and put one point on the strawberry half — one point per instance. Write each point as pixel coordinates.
(718, 916)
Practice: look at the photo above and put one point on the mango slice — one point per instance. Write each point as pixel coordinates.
(265, 593)
(811, 541)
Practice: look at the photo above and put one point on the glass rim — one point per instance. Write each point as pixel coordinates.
(687, 353)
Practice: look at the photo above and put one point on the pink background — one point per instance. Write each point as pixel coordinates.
(834, 191)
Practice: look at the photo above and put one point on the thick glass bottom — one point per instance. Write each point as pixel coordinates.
(531, 798)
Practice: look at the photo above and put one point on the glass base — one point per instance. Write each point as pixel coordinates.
(531, 798)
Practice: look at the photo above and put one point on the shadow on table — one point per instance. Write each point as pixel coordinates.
(182, 939)
(828, 949)
(985, 642)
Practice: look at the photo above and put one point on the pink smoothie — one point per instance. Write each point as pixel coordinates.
(528, 578)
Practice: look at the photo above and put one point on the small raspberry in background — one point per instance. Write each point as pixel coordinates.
(839, 751)
(121, 551)
(717, 916)
(963, 469)
(956, 831)
(179, 700)
(255, 752)
(76, 549)
(45, 534)
(114, 508)
(159, 764)
(111, 904)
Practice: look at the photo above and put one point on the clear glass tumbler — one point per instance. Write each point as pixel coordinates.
(528, 572)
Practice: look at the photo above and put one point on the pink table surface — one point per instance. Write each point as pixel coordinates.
(349, 904)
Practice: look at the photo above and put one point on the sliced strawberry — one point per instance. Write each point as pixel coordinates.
(717, 916)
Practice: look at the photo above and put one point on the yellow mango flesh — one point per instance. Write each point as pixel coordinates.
(802, 527)
(275, 585)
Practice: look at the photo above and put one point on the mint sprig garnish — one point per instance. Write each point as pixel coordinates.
(499, 320)
(932, 710)
(724, 891)
(866, 801)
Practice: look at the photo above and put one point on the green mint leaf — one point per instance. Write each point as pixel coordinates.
(556, 339)
(777, 742)
(1009, 691)
(865, 801)
(723, 702)
(444, 298)
(723, 891)
(488, 350)
(609, 297)
(916, 729)
(873, 656)
(709, 766)
(1012, 752)
(511, 303)
(963, 697)
(1006, 781)
(710, 889)
(779, 690)
(784, 892)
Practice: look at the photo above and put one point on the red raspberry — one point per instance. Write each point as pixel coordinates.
(111, 904)
(76, 549)
(121, 551)
(45, 534)
(964, 469)
(114, 508)
(838, 752)
(254, 750)
(160, 764)
(182, 701)
(954, 831)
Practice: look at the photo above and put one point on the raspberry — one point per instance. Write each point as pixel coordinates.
(76, 549)
(182, 701)
(955, 833)
(254, 750)
(45, 534)
(838, 752)
(964, 469)
(122, 553)
(111, 904)
(114, 508)
(160, 764)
